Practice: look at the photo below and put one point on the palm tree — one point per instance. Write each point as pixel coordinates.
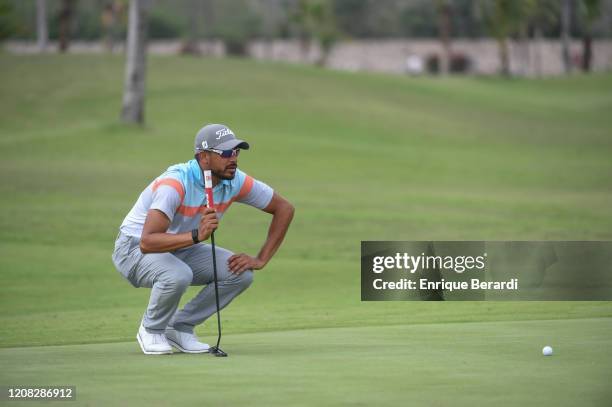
(65, 24)
(315, 19)
(539, 13)
(136, 61)
(444, 32)
(566, 11)
(502, 17)
(41, 25)
(590, 11)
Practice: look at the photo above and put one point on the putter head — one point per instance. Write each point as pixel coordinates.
(217, 352)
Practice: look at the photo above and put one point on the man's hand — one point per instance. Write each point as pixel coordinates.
(239, 263)
(208, 224)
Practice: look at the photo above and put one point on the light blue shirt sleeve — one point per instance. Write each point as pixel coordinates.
(259, 196)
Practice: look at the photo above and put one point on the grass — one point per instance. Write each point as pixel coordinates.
(431, 364)
(362, 157)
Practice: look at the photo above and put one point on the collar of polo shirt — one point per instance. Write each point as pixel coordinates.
(197, 174)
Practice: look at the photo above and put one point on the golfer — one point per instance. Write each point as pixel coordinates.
(158, 242)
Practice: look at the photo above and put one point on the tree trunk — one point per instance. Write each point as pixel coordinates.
(41, 25)
(537, 36)
(524, 49)
(109, 24)
(565, 35)
(587, 50)
(504, 57)
(305, 47)
(135, 66)
(444, 31)
(189, 45)
(65, 22)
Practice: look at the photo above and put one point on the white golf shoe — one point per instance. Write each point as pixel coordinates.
(186, 342)
(153, 344)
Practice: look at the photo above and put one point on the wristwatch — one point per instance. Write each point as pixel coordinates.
(194, 236)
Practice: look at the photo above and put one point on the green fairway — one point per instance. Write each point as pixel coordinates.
(439, 364)
(362, 157)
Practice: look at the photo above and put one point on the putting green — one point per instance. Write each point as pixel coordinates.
(445, 364)
(443, 159)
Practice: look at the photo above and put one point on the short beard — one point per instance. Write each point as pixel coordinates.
(225, 177)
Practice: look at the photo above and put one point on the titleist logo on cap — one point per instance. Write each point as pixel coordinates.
(224, 132)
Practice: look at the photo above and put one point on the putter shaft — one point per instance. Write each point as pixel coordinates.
(215, 350)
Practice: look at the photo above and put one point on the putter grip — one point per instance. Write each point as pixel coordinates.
(208, 188)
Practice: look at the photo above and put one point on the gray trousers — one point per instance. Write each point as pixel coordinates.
(169, 274)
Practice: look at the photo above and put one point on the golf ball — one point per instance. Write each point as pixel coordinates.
(547, 351)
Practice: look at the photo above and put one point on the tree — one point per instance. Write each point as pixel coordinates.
(135, 66)
(112, 12)
(566, 11)
(235, 23)
(590, 11)
(42, 31)
(315, 19)
(354, 17)
(502, 18)
(190, 45)
(65, 24)
(8, 25)
(540, 14)
(273, 15)
(444, 33)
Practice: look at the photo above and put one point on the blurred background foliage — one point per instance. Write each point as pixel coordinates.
(236, 20)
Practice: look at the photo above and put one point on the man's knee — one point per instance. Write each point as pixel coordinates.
(179, 278)
(245, 279)
(242, 280)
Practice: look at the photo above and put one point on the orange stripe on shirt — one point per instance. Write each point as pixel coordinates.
(246, 188)
(190, 210)
(194, 210)
(244, 191)
(171, 182)
(220, 207)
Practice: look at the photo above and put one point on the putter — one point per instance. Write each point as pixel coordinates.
(214, 350)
